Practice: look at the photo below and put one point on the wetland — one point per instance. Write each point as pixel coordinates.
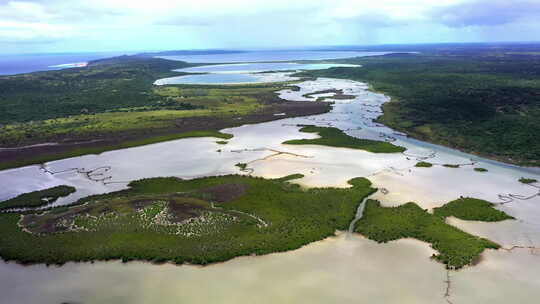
(214, 210)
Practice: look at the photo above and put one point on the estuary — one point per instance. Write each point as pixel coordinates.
(338, 269)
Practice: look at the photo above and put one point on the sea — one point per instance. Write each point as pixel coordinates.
(26, 63)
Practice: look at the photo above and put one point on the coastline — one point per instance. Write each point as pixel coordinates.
(492, 157)
(39, 153)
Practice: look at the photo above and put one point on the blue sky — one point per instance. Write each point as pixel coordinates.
(131, 25)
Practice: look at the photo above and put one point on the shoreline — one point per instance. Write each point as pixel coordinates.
(337, 234)
(490, 157)
(34, 154)
(323, 119)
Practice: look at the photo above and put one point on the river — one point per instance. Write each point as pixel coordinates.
(339, 269)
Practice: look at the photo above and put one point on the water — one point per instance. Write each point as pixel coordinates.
(265, 56)
(330, 271)
(358, 216)
(210, 79)
(333, 270)
(261, 67)
(26, 63)
(243, 73)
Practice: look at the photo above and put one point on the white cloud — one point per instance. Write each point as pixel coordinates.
(158, 24)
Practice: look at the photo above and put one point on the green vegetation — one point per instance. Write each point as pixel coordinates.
(113, 104)
(109, 84)
(197, 221)
(451, 166)
(334, 137)
(203, 102)
(480, 169)
(338, 94)
(40, 159)
(482, 101)
(472, 209)
(456, 248)
(242, 166)
(525, 180)
(222, 142)
(423, 164)
(37, 198)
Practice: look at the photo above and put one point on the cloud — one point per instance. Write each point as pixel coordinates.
(83, 25)
(487, 12)
(184, 21)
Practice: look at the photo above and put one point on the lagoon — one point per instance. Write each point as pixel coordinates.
(244, 73)
(270, 55)
(339, 269)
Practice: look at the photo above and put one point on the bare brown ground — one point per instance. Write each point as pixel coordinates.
(97, 140)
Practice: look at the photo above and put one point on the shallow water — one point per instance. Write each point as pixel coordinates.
(341, 269)
(322, 166)
(266, 56)
(335, 270)
(261, 67)
(209, 79)
(243, 73)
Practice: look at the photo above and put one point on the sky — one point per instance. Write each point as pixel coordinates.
(33, 26)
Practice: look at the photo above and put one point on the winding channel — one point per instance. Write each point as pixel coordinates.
(304, 274)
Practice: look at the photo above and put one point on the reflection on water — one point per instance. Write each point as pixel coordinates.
(336, 270)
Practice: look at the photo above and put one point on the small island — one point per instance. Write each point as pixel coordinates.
(37, 198)
(423, 164)
(472, 209)
(215, 219)
(334, 137)
(452, 166)
(527, 181)
(197, 221)
(455, 247)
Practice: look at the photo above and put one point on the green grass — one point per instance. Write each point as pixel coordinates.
(525, 180)
(423, 164)
(231, 103)
(37, 198)
(472, 209)
(334, 137)
(114, 95)
(40, 159)
(135, 224)
(222, 142)
(480, 169)
(455, 247)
